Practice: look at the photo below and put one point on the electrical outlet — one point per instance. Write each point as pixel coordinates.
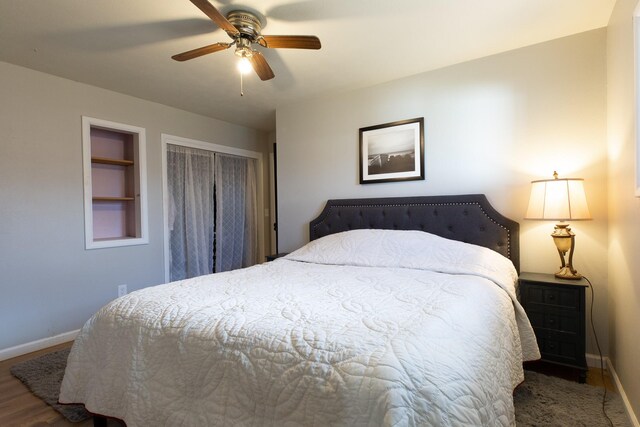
(122, 290)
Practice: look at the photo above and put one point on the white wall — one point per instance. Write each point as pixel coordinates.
(624, 207)
(491, 126)
(49, 283)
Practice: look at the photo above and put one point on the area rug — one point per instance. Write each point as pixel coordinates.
(540, 401)
(543, 400)
(43, 376)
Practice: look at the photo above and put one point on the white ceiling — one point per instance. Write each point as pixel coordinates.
(126, 45)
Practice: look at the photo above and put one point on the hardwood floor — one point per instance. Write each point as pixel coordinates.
(595, 378)
(18, 407)
(594, 375)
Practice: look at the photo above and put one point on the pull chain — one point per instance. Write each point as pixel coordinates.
(241, 86)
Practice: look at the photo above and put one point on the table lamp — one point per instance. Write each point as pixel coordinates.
(560, 199)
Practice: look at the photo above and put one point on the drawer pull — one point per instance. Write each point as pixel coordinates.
(552, 321)
(552, 297)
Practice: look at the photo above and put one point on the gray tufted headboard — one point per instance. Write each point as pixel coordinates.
(467, 218)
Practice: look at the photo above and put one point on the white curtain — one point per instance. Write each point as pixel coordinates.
(236, 212)
(190, 178)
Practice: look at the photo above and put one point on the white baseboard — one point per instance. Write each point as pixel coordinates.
(32, 346)
(593, 360)
(633, 419)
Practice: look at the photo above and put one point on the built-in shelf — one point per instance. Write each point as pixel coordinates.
(112, 199)
(108, 161)
(111, 239)
(115, 184)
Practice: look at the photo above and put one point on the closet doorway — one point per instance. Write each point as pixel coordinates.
(212, 203)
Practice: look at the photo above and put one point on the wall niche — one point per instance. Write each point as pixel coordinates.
(115, 193)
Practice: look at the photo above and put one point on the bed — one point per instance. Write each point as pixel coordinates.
(400, 311)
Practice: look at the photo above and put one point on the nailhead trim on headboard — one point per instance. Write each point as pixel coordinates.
(458, 229)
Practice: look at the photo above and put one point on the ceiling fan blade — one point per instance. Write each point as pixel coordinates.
(291, 42)
(260, 66)
(195, 53)
(222, 22)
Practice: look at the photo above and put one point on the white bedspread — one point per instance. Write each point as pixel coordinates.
(294, 342)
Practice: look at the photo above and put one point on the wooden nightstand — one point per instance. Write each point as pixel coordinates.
(556, 309)
(276, 256)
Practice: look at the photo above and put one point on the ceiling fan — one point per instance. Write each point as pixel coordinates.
(244, 29)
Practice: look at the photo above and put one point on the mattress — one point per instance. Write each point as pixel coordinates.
(366, 328)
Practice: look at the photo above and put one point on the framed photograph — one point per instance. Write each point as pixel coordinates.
(392, 152)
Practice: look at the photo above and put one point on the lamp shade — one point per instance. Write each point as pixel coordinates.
(558, 199)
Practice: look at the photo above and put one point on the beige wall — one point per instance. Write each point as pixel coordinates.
(624, 207)
(491, 126)
(49, 283)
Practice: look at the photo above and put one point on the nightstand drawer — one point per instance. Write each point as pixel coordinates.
(559, 319)
(553, 296)
(559, 346)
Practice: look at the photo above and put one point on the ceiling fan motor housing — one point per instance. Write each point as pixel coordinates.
(248, 24)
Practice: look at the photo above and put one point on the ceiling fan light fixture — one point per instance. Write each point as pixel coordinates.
(244, 66)
(244, 52)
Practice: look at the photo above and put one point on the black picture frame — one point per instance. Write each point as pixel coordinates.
(392, 152)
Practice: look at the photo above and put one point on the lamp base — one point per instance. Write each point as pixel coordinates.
(568, 273)
(564, 239)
